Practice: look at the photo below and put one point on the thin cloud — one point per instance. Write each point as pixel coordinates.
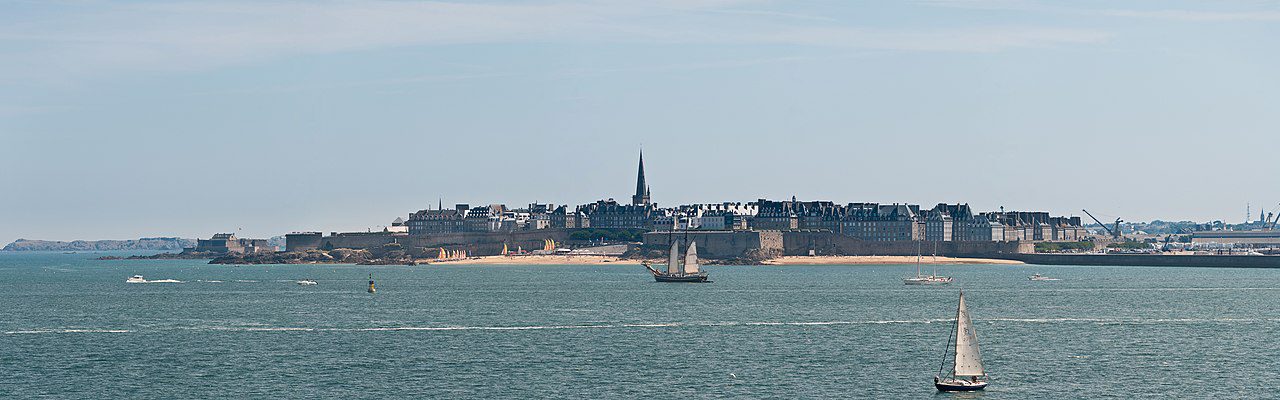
(1196, 16)
(1264, 15)
(196, 35)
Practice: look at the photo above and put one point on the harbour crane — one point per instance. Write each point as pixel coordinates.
(1115, 232)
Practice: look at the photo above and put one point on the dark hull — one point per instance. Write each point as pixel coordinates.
(944, 387)
(681, 278)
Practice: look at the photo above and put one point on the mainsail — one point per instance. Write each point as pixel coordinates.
(673, 264)
(968, 359)
(691, 259)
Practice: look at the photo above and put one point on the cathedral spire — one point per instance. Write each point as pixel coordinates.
(642, 189)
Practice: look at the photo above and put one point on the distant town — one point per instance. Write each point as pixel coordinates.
(736, 231)
(744, 232)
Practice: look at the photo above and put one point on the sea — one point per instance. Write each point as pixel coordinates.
(73, 329)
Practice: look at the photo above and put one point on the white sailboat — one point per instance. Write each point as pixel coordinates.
(921, 279)
(967, 373)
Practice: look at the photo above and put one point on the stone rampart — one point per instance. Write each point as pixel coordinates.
(734, 244)
(483, 243)
(716, 244)
(799, 243)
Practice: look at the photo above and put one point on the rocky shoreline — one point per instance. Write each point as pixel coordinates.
(186, 255)
(336, 256)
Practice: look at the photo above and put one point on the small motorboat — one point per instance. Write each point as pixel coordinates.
(135, 279)
(1038, 277)
(307, 282)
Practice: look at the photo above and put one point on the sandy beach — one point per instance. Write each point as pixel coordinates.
(791, 260)
(537, 260)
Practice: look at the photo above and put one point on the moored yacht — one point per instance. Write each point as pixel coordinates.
(921, 279)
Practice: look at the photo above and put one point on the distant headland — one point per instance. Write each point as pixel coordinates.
(156, 243)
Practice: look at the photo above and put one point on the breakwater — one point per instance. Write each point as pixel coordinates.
(1147, 260)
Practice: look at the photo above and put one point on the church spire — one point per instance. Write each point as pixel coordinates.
(642, 189)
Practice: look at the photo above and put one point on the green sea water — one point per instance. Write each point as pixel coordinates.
(72, 328)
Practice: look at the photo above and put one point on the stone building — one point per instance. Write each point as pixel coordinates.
(439, 220)
(712, 216)
(561, 217)
(776, 215)
(1036, 226)
(882, 222)
(610, 214)
(938, 226)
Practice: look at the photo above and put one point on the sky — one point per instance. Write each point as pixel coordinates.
(126, 119)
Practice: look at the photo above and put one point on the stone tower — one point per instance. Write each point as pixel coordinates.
(641, 197)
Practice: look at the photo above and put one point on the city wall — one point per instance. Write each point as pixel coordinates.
(799, 243)
(476, 244)
(726, 244)
(482, 244)
(718, 244)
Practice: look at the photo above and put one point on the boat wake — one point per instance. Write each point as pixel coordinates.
(667, 325)
(38, 331)
(164, 281)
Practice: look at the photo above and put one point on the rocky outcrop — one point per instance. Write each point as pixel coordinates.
(186, 255)
(160, 243)
(335, 256)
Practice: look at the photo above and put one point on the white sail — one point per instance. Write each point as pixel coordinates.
(673, 264)
(968, 359)
(691, 259)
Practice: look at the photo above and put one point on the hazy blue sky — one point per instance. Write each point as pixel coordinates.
(138, 118)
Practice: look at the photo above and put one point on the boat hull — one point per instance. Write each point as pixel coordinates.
(944, 386)
(681, 278)
(914, 281)
(952, 386)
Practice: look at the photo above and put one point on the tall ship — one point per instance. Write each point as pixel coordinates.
(967, 373)
(675, 271)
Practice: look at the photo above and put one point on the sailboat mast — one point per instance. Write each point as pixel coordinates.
(917, 259)
(950, 334)
(686, 245)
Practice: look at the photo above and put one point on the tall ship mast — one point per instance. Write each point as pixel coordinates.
(689, 271)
